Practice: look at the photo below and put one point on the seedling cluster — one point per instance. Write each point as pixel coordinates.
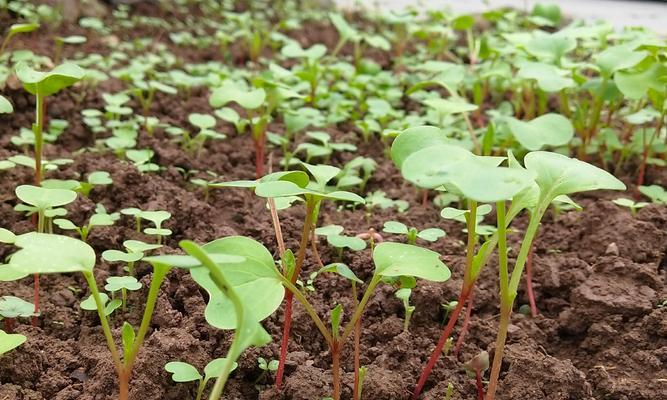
(480, 131)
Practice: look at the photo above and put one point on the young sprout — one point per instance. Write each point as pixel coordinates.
(270, 366)
(157, 218)
(144, 92)
(133, 212)
(142, 160)
(403, 294)
(61, 41)
(323, 148)
(631, 204)
(16, 29)
(206, 184)
(40, 201)
(122, 283)
(109, 305)
(184, 372)
(310, 69)
(42, 85)
(12, 308)
(96, 178)
(476, 366)
(5, 106)
(335, 239)
(428, 234)
(100, 218)
(656, 193)
(135, 252)
(10, 341)
(205, 123)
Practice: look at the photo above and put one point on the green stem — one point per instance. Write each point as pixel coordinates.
(360, 308)
(502, 251)
(103, 321)
(471, 221)
(308, 307)
(159, 273)
(531, 231)
(39, 138)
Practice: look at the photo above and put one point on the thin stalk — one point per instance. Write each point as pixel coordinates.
(529, 283)
(473, 136)
(357, 345)
(468, 282)
(310, 310)
(509, 286)
(480, 386)
(335, 365)
(311, 203)
(104, 322)
(466, 324)
(360, 308)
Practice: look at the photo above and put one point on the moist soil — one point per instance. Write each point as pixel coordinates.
(599, 277)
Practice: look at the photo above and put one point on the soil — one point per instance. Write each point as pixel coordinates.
(599, 276)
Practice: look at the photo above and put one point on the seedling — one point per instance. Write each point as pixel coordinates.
(205, 123)
(206, 184)
(136, 214)
(184, 372)
(40, 201)
(61, 41)
(5, 106)
(42, 85)
(340, 242)
(403, 294)
(656, 193)
(631, 204)
(398, 228)
(135, 252)
(476, 366)
(157, 218)
(14, 30)
(100, 218)
(311, 68)
(109, 305)
(144, 92)
(12, 308)
(96, 178)
(10, 341)
(142, 159)
(122, 283)
(324, 149)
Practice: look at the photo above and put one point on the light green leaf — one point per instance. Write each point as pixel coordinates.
(14, 307)
(43, 253)
(395, 227)
(116, 283)
(214, 368)
(5, 106)
(117, 255)
(48, 83)
(9, 342)
(398, 259)
(546, 130)
(342, 270)
(414, 139)
(351, 242)
(43, 198)
(230, 91)
(182, 372)
(431, 234)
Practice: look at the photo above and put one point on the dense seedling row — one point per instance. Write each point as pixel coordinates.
(495, 118)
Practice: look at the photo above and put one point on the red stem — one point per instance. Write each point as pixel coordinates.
(285, 339)
(480, 386)
(529, 283)
(447, 331)
(357, 352)
(35, 318)
(466, 322)
(9, 325)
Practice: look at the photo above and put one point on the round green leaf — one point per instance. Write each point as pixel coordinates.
(201, 121)
(398, 259)
(43, 253)
(557, 174)
(351, 242)
(5, 106)
(395, 227)
(214, 368)
(414, 139)
(23, 28)
(44, 198)
(13, 307)
(117, 255)
(116, 283)
(546, 130)
(10, 341)
(182, 372)
(48, 83)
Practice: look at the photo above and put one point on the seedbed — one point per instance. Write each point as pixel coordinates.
(329, 92)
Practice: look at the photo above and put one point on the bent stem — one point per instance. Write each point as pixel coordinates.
(509, 286)
(466, 289)
(466, 323)
(529, 283)
(311, 204)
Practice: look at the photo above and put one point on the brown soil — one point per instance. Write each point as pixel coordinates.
(599, 276)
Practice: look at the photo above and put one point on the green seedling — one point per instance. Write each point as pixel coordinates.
(12, 308)
(26, 137)
(109, 305)
(42, 253)
(656, 193)
(122, 283)
(267, 366)
(142, 160)
(323, 149)
(379, 199)
(311, 69)
(96, 178)
(288, 185)
(145, 92)
(476, 367)
(183, 372)
(340, 242)
(357, 172)
(10, 341)
(631, 204)
(5, 106)
(428, 234)
(157, 218)
(14, 30)
(403, 294)
(41, 201)
(100, 218)
(42, 85)
(258, 113)
(221, 267)
(206, 184)
(481, 180)
(348, 33)
(135, 213)
(135, 252)
(205, 123)
(61, 41)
